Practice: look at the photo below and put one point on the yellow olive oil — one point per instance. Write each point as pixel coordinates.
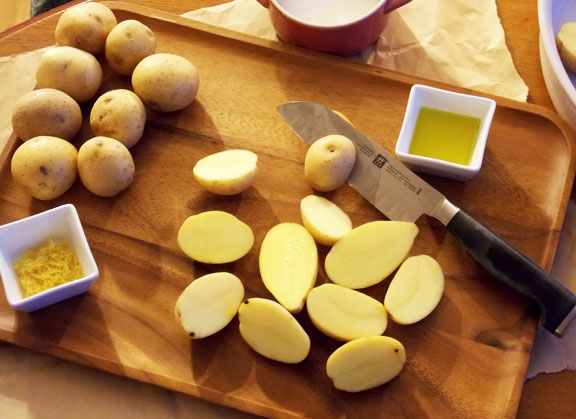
(444, 135)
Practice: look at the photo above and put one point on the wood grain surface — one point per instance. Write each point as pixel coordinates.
(475, 365)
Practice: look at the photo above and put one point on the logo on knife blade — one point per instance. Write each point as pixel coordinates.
(379, 161)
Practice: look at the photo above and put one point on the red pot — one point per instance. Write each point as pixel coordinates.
(303, 23)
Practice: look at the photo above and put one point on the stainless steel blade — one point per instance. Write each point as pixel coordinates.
(385, 182)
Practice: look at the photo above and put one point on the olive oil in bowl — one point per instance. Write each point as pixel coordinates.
(444, 135)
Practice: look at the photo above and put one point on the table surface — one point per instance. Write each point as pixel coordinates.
(545, 396)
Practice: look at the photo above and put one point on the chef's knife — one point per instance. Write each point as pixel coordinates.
(402, 195)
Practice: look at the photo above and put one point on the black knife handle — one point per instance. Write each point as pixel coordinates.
(516, 270)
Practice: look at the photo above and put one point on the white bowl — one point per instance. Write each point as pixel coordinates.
(561, 85)
(59, 224)
(448, 101)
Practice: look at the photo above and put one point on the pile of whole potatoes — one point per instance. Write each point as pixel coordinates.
(47, 164)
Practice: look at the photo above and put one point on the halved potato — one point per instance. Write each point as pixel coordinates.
(209, 303)
(215, 237)
(369, 253)
(341, 115)
(366, 363)
(415, 290)
(289, 264)
(272, 331)
(324, 219)
(345, 314)
(228, 172)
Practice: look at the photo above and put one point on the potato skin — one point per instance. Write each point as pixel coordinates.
(105, 166)
(166, 82)
(566, 45)
(70, 70)
(329, 161)
(119, 114)
(46, 112)
(85, 26)
(127, 44)
(45, 166)
(228, 172)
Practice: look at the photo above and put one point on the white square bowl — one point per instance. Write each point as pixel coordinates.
(59, 224)
(447, 101)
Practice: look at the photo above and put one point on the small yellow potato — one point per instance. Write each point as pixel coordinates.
(345, 314)
(105, 166)
(341, 115)
(166, 82)
(269, 329)
(209, 303)
(324, 219)
(127, 44)
(45, 166)
(289, 264)
(566, 44)
(415, 290)
(85, 26)
(366, 363)
(71, 70)
(215, 237)
(46, 112)
(329, 161)
(228, 172)
(119, 114)
(369, 253)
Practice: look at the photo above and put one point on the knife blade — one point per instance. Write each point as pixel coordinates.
(402, 195)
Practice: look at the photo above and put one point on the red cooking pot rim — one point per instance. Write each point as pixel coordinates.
(290, 16)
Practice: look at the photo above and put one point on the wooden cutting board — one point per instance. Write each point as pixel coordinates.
(467, 359)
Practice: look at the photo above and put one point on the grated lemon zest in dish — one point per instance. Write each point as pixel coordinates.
(45, 267)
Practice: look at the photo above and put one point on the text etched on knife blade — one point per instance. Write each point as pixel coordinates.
(365, 149)
(403, 179)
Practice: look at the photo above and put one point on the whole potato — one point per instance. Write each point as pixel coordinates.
(70, 70)
(46, 112)
(166, 82)
(119, 114)
(85, 26)
(329, 161)
(127, 44)
(45, 166)
(566, 44)
(105, 166)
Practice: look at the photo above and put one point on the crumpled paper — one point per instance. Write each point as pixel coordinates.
(19, 70)
(550, 354)
(452, 41)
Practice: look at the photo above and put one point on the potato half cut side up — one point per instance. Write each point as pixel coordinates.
(215, 237)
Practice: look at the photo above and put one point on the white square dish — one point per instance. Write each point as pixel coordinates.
(59, 224)
(454, 103)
